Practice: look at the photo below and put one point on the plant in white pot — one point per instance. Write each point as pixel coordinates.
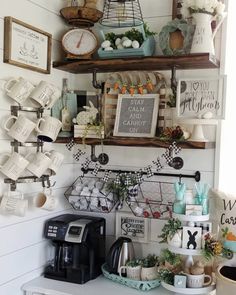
(149, 267)
(133, 269)
(172, 233)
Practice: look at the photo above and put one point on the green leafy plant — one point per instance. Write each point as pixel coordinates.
(169, 229)
(170, 257)
(95, 125)
(150, 261)
(166, 276)
(134, 262)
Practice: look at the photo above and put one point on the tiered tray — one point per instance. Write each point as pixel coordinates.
(180, 291)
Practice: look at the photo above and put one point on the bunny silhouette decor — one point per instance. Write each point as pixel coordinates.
(88, 116)
(192, 240)
(179, 203)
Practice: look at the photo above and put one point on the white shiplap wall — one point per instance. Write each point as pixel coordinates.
(23, 251)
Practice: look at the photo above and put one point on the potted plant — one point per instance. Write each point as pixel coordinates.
(170, 260)
(133, 269)
(172, 233)
(149, 267)
(165, 275)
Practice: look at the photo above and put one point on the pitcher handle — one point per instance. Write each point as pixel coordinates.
(120, 269)
(4, 155)
(38, 124)
(219, 24)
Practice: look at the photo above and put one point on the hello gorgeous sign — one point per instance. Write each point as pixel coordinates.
(195, 97)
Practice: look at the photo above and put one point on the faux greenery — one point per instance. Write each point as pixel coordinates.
(132, 34)
(150, 261)
(170, 257)
(169, 229)
(166, 276)
(98, 126)
(134, 262)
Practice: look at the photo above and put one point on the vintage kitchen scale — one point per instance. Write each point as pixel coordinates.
(80, 42)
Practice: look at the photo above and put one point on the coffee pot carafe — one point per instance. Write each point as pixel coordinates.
(120, 252)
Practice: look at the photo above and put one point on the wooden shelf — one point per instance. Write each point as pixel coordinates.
(140, 142)
(153, 63)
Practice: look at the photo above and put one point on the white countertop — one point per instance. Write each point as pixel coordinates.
(99, 286)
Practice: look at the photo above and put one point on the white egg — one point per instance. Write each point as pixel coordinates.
(120, 46)
(135, 44)
(118, 41)
(124, 38)
(207, 115)
(127, 43)
(106, 44)
(108, 49)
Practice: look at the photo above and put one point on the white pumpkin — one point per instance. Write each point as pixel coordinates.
(127, 43)
(118, 41)
(135, 44)
(108, 49)
(106, 44)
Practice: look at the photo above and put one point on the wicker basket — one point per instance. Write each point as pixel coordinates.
(110, 97)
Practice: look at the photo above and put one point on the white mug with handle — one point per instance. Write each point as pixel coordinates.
(45, 200)
(12, 165)
(20, 129)
(39, 163)
(13, 202)
(57, 160)
(18, 89)
(198, 281)
(48, 128)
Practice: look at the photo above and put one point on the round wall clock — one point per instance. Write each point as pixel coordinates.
(79, 43)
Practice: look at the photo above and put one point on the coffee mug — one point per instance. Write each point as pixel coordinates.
(198, 281)
(13, 203)
(48, 128)
(133, 273)
(57, 159)
(39, 163)
(12, 165)
(20, 129)
(18, 89)
(45, 200)
(45, 95)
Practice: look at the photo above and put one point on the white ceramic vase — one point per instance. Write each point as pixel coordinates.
(176, 240)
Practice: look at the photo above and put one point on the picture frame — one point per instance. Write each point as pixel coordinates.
(199, 96)
(130, 226)
(192, 237)
(193, 210)
(136, 115)
(26, 46)
(176, 9)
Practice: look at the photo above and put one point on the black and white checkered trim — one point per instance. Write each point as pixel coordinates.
(70, 144)
(78, 154)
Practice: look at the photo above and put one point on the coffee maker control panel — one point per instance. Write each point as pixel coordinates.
(75, 230)
(54, 231)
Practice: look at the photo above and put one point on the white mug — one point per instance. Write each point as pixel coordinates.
(133, 273)
(39, 163)
(45, 94)
(20, 129)
(45, 200)
(57, 159)
(48, 128)
(13, 203)
(18, 89)
(13, 165)
(198, 281)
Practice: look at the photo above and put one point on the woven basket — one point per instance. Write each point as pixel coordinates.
(110, 97)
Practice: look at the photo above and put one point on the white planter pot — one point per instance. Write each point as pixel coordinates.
(148, 273)
(224, 285)
(176, 240)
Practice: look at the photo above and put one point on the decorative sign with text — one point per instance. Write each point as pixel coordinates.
(136, 115)
(201, 98)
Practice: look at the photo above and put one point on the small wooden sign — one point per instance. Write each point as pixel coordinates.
(26, 46)
(136, 115)
(199, 97)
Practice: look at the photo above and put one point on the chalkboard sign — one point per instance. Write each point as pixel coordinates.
(136, 115)
(201, 98)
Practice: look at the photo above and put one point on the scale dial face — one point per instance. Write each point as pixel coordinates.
(79, 42)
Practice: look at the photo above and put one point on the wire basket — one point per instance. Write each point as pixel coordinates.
(151, 199)
(91, 194)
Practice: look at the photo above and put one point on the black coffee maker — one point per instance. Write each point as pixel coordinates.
(79, 243)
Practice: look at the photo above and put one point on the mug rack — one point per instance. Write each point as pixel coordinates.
(44, 179)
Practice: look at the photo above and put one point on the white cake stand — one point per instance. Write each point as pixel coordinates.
(197, 133)
(180, 291)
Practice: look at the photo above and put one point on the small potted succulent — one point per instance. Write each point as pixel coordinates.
(172, 233)
(149, 267)
(170, 261)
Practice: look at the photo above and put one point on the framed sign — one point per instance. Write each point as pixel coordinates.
(136, 115)
(201, 98)
(26, 46)
(128, 225)
(176, 9)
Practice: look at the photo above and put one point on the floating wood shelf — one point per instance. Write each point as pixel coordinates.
(153, 63)
(140, 142)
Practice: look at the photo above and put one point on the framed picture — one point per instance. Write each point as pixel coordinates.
(26, 46)
(128, 225)
(136, 115)
(176, 9)
(192, 237)
(198, 97)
